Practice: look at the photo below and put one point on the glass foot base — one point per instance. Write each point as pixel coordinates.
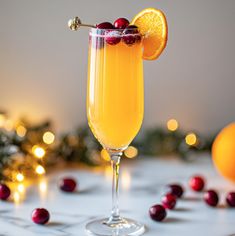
(126, 227)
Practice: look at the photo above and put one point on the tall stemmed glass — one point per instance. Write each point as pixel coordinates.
(115, 108)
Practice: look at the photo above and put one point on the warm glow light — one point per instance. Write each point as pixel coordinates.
(126, 180)
(38, 151)
(21, 131)
(131, 152)
(21, 188)
(48, 137)
(40, 170)
(16, 197)
(43, 186)
(20, 177)
(191, 139)
(105, 155)
(172, 125)
(2, 120)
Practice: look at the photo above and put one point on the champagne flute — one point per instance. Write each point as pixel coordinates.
(115, 109)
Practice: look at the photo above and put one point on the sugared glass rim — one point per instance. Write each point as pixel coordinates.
(102, 33)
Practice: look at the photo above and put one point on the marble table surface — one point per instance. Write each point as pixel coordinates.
(141, 185)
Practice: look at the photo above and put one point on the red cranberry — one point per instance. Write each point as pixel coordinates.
(105, 25)
(113, 37)
(98, 42)
(211, 198)
(40, 216)
(169, 201)
(197, 183)
(133, 29)
(138, 38)
(4, 192)
(128, 36)
(67, 184)
(157, 212)
(175, 189)
(230, 199)
(121, 23)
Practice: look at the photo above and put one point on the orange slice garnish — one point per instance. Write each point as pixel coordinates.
(153, 25)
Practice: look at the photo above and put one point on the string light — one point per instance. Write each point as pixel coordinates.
(20, 177)
(40, 170)
(105, 155)
(172, 125)
(48, 137)
(21, 131)
(38, 151)
(131, 152)
(191, 139)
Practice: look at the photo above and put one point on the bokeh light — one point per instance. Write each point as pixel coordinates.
(21, 131)
(20, 177)
(40, 170)
(131, 152)
(48, 137)
(38, 151)
(105, 155)
(191, 139)
(172, 125)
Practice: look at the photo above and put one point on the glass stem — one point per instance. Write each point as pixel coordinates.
(115, 215)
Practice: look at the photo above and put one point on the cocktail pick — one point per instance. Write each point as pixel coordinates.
(75, 23)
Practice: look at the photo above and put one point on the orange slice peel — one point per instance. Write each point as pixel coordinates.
(152, 25)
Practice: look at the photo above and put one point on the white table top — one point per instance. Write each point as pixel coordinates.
(141, 185)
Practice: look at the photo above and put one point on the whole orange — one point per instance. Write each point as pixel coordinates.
(223, 152)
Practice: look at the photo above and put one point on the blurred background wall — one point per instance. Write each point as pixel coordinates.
(43, 64)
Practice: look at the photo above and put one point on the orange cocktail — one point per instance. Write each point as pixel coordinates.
(115, 95)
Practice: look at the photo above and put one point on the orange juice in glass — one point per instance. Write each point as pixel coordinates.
(115, 94)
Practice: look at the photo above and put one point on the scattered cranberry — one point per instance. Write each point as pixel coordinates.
(121, 23)
(40, 216)
(105, 25)
(230, 199)
(169, 201)
(128, 36)
(157, 212)
(175, 189)
(4, 192)
(67, 184)
(113, 37)
(197, 183)
(211, 198)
